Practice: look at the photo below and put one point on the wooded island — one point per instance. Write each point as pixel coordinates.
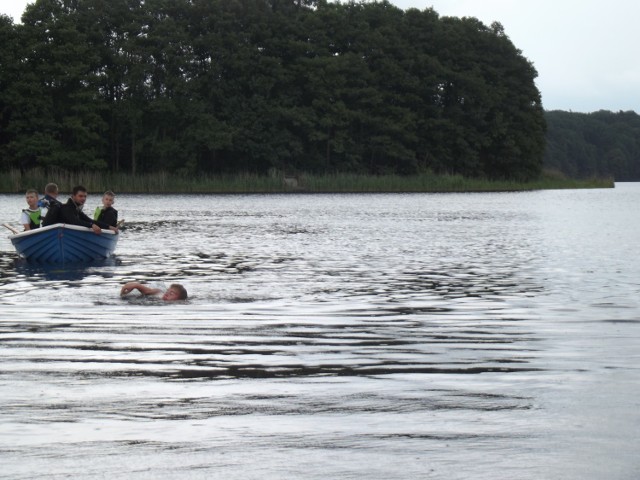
(213, 88)
(221, 86)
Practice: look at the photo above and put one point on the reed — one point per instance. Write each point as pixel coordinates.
(14, 181)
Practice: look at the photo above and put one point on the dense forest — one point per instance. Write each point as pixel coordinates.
(599, 144)
(224, 86)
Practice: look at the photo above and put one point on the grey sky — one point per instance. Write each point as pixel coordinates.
(585, 51)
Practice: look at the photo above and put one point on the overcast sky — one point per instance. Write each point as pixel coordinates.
(585, 51)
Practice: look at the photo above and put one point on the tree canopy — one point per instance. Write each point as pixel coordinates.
(223, 86)
(598, 144)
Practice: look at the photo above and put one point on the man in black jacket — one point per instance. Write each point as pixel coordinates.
(50, 200)
(50, 196)
(71, 213)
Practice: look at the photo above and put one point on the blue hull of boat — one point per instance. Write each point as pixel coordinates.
(63, 243)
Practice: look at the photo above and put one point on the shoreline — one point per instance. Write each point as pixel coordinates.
(247, 183)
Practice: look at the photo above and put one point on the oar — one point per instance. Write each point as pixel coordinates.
(11, 228)
(119, 224)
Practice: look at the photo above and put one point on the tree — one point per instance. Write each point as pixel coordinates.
(55, 121)
(194, 86)
(9, 59)
(598, 144)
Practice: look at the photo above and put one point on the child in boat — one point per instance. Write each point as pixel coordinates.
(31, 217)
(106, 213)
(173, 293)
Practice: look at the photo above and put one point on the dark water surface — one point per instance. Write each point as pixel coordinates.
(450, 336)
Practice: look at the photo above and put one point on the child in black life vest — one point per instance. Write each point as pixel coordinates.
(106, 213)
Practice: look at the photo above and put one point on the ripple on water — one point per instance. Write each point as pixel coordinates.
(389, 336)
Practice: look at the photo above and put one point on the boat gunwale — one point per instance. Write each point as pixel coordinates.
(55, 226)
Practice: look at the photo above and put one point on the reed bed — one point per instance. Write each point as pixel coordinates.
(15, 181)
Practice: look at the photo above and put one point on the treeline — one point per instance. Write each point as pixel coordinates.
(227, 86)
(599, 144)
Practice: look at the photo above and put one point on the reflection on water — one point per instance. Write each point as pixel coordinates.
(332, 336)
(64, 273)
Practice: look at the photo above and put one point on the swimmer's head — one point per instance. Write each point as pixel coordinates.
(175, 292)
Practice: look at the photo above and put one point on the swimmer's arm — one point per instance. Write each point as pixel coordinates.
(143, 289)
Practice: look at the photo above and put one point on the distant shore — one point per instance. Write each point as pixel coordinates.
(14, 181)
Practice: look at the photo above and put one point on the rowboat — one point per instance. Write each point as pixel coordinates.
(62, 243)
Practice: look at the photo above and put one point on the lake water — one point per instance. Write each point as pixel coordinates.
(388, 336)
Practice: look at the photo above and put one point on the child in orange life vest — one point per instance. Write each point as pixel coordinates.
(31, 217)
(106, 213)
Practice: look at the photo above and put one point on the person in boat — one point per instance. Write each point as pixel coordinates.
(71, 213)
(173, 293)
(106, 213)
(50, 198)
(31, 217)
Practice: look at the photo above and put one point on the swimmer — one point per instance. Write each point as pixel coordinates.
(173, 293)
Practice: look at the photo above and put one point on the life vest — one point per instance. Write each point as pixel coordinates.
(34, 217)
(97, 213)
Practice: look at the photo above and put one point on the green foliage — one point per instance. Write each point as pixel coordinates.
(218, 87)
(96, 182)
(599, 144)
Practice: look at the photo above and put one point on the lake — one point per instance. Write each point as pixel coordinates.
(382, 336)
